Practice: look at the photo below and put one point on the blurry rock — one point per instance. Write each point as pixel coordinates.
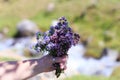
(23, 46)
(26, 28)
(101, 44)
(50, 7)
(93, 4)
(1, 36)
(86, 40)
(4, 31)
(113, 54)
(5, 43)
(76, 53)
(104, 52)
(118, 58)
(110, 55)
(6, 0)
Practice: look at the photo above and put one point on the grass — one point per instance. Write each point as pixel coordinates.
(6, 22)
(6, 59)
(116, 73)
(81, 77)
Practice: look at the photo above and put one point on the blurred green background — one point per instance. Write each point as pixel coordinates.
(96, 19)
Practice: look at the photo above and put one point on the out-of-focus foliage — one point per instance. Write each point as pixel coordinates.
(81, 77)
(6, 59)
(116, 73)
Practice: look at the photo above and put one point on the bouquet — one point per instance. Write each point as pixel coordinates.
(57, 41)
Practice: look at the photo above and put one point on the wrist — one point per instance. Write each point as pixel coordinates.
(39, 68)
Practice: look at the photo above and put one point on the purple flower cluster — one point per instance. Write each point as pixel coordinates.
(57, 40)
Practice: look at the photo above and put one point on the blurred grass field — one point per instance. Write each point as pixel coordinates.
(81, 77)
(96, 19)
(7, 59)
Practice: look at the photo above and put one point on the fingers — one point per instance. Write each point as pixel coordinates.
(63, 66)
(50, 61)
(60, 59)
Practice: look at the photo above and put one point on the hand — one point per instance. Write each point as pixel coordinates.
(48, 61)
(22, 70)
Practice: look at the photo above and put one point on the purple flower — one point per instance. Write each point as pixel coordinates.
(52, 30)
(57, 27)
(47, 39)
(57, 40)
(76, 38)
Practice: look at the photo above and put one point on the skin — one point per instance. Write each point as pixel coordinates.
(22, 70)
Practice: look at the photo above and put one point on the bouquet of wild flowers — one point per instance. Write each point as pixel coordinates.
(57, 41)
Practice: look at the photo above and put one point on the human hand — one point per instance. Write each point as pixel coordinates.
(48, 61)
(22, 70)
